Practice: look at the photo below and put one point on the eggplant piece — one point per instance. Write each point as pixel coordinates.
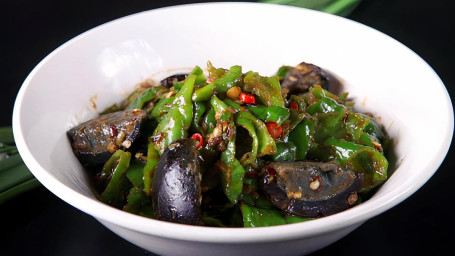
(168, 82)
(310, 189)
(94, 141)
(305, 75)
(176, 193)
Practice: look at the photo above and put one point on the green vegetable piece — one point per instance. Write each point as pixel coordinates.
(232, 172)
(162, 108)
(285, 152)
(176, 122)
(215, 73)
(146, 96)
(204, 93)
(371, 163)
(341, 150)
(266, 144)
(325, 105)
(355, 124)
(138, 203)
(6, 135)
(267, 89)
(257, 217)
(270, 114)
(135, 174)
(115, 192)
(373, 129)
(359, 158)
(108, 170)
(199, 110)
(13, 175)
(302, 136)
(232, 176)
(199, 73)
(247, 124)
(229, 80)
(345, 125)
(149, 169)
(221, 84)
(220, 108)
(209, 120)
(282, 71)
(232, 104)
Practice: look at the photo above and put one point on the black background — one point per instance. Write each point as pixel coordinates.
(38, 223)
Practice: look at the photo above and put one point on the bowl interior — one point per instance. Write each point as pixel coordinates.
(103, 65)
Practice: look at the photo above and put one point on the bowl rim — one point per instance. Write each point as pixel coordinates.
(97, 209)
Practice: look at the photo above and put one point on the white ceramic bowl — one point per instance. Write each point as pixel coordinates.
(101, 66)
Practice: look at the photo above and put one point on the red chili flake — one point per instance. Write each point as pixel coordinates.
(294, 105)
(247, 98)
(274, 129)
(113, 132)
(271, 174)
(198, 137)
(377, 146)
(209, 80)
(251, 174)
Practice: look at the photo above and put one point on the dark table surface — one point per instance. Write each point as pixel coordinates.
(39, 223)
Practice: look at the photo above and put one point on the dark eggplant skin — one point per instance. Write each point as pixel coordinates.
(305, 75)
(310, 189)
(176, 193)
(94, 141)
(168, 82)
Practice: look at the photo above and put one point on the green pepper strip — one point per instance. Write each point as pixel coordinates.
(266, 144)
(209, 120)
(199, 73)
(162, 107)
(319, 92)
(325, 105)
(270, 114)
(282, 71)
(135, 174)
(302, 136)
(231, 79)
(267, 89)
(257, 217)
(232, 104)
(245, 123)
(200, 78)
(232, 175)
(137, 201)
(373, 128)
(146, 96)
(199, 110)
(285, 152)
(113, 194)
(359, 158)
(108, 169)
(222, 84)
(176, 122)
(149, 169)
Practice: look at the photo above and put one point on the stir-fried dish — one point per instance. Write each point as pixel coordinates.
(233, 148)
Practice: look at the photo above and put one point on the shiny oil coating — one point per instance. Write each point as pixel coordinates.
(310, 189)
(91, 140)
(176, 191)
